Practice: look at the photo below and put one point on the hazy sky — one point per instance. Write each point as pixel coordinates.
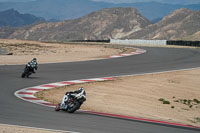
(162, 1)
(15, 0)
(128, 1)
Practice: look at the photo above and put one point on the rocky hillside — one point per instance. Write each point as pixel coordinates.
(193, 37)
(13, 18)
(180, 23)
(115, 23)
(5, 32)
(103, 24)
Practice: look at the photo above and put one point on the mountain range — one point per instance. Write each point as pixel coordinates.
(180, 23)
(13, 18)
(70, 9)
(103, 24)
(111, 23)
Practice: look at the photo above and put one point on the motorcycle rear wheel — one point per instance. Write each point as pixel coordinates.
(57, 107)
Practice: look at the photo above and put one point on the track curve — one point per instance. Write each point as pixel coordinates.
(18, 112)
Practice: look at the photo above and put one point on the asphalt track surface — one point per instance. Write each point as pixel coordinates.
(18, 112)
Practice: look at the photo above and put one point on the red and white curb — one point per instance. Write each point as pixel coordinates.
(138, 51)
(27, 94)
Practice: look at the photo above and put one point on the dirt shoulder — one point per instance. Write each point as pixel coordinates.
(21, 52)
(19, 129)
(146, 96)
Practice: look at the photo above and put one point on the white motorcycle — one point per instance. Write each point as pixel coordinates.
(72, 102)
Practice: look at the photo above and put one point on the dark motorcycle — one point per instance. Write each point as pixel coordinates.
(73, 103)
(28, 70)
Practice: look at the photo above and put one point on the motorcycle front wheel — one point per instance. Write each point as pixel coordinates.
(23, 75)
(73, 108)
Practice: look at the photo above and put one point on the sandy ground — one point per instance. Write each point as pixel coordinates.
(23, 51)
(19, 129)
(139, 96)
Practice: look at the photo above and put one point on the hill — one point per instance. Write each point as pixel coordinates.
(115, 23)
(103, 24)
(180, 23)
(13, 18)
(193, 37)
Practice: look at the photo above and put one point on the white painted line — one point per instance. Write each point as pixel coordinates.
(38, 101)
(44, 88)
(135, 53)
(126, 54)
(76, 81)
(97, 79)
(25, 95)
(115, 56)
(44, 129)
(57, 84)
(29, 91)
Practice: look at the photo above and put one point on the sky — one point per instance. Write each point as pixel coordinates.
(129, 1)
(162, 1)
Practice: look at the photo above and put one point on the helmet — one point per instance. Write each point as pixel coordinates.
(34, 59)
(80, 89)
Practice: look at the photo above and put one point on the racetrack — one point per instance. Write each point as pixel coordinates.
(18, 112)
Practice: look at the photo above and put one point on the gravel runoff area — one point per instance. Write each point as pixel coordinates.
(21, 52)
(20, 129)
(170, 96)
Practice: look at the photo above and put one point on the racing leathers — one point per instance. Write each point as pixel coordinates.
(68, 95)
(33, 64)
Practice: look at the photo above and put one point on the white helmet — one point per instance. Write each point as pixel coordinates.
(81, 89)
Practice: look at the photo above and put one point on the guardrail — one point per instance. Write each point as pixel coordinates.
(156, 42)
(145, 42)
(137, 41)
(104, 41)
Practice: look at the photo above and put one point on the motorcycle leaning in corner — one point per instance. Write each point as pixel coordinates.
(30, 68)
(72, 101)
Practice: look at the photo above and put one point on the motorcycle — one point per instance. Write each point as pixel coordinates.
(74, 102)
(27, 71)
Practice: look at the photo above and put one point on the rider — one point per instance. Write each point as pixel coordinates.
(33, 63)
(69, 95)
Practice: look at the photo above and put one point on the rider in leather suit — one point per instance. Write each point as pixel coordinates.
(33, 63)
(69, 95)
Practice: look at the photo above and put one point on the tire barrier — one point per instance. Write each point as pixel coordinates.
(3, 51)
(184, 43)
(104, 41)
